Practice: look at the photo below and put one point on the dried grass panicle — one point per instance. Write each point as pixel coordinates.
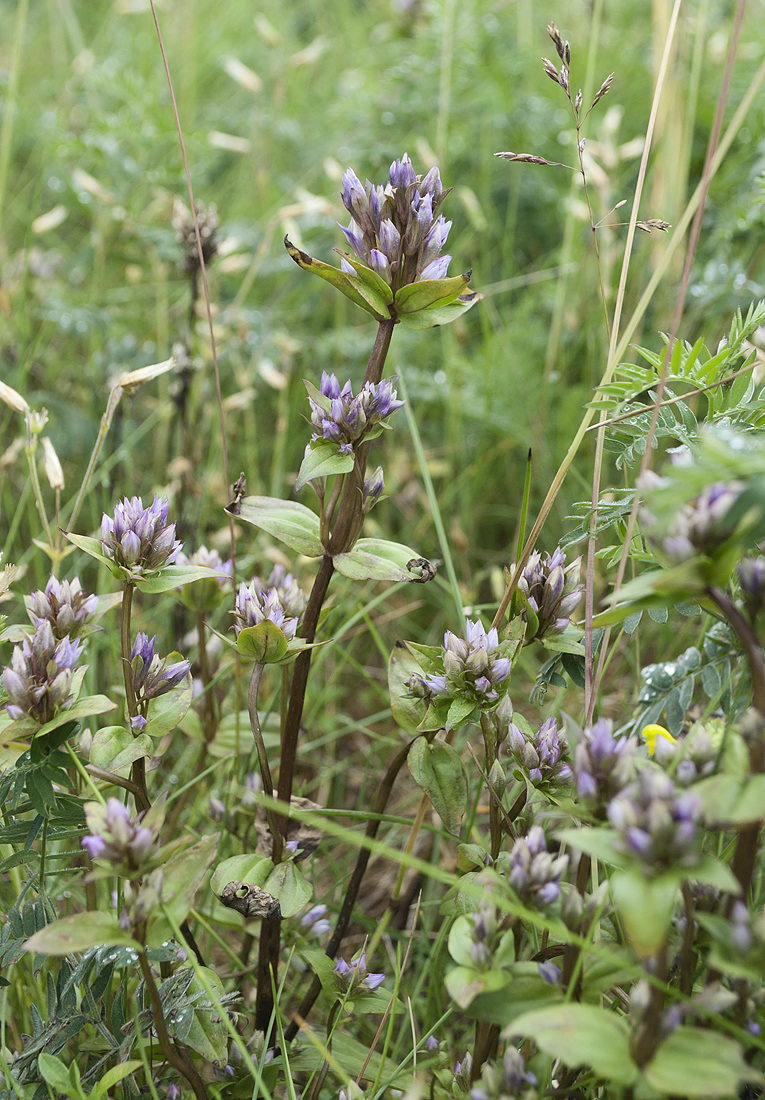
(653, 223)
(551, 70)
(557, 41)
(524, 158)
(602, 90)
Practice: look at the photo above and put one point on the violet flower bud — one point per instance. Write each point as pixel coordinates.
(138, 539)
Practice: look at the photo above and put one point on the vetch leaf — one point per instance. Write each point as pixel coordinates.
(287, 520)
(323, 459)
(437, 770)
(581, 1035)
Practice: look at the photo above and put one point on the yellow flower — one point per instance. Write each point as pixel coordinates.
(650, 733)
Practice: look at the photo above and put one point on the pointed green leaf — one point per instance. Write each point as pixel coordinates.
(94, 548)
(351, 286)
(581, 1035)
(425, 294)
(437, 770)
(56, 1074)
(465, 983)
(459, 710)
(323, 460)
(376, 559)
(114, 1075)
(287, 520)
(166, 711)
(645, 907)
(182, 877)
(440, 315)
(368, 276)
(175, 576)
(114, 747)
(80, 932)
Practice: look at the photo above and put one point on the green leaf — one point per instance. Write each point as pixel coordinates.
(527, 993)
(167, 711)
(597, 842)
(461, 939)
(83, 708)
(368, 276)
(182, 877)
(114, 748)
(250, 868)
(581, 1035)
(711, 872)
(465, 983)
(645, 907)
(287, 520)
(351, 286)
(287, 884)
(428, 292)
(114, 1075)
(727, 801)
(208, 1034)
(264, 643)
(175, 576)
(407, 710)
(93, 547)
(437, 770)
(376, 559)
(438, 314)
(695, 1062)
(323, 459)
(56, 1074)
(324, 969)
(78, 933)
(459, 710)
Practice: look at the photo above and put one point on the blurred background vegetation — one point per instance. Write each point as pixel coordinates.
(276, 99)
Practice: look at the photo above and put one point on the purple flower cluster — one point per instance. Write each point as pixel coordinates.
(287, 589)
(354, 977)
(345, 419)
(152, 676)
(38, 681)
(603, 765)
(542, 756)
(511, 1083)
(657, 825)
(751, 577)
(699, 527)
(64, 605)
(532, 871)
(140, 539)
(551, 589)
(254, 605)
(117, 836)
(396, 230)
(474, 667)
(314, 923)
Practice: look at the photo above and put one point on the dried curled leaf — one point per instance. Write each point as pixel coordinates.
(251, 901)
(308, 837)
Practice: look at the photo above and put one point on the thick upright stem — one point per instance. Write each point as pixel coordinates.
(139, 767)
(747, 845)
(354, 885)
